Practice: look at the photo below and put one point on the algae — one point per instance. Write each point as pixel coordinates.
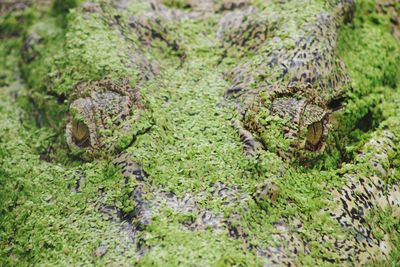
(50, 216)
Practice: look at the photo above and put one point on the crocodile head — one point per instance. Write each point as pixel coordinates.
(307, 123)
(103, 117)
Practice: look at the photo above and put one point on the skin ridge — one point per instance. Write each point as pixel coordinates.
(302, 72)
(151, 201)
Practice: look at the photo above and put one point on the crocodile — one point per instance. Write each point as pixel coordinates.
(365, 191)
(285, 85)
(296, 79)
(105, 113)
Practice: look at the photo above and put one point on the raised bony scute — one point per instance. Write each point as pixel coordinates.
(287, 89)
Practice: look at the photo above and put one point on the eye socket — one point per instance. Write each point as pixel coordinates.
(314, 133)
(80, 133)
(337, 103)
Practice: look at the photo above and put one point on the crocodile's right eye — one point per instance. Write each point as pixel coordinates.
(314, 133)
(80, 133)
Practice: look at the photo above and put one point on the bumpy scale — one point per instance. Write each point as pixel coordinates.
(294, 77)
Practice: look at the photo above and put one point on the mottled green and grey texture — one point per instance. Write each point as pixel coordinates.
(294, 75)
(118, 145)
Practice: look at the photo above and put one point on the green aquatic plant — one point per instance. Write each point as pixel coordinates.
(60, 210)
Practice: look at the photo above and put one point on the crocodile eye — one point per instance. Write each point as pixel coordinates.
(314, 133)
(80, 133)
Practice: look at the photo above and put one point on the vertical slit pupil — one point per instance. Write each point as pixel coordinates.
(314, 133)
(80, 133)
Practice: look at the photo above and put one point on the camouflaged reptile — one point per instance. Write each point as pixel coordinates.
(106, 114)
(103, 114)
(100, 106)
(366, 190)
(298, 80)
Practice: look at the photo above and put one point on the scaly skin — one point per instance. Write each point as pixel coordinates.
(244, 28)
(108, 112)
(365, 190)
(391, 8)
(100, 106)
(295, 79)
(103, 113)
(7, 7)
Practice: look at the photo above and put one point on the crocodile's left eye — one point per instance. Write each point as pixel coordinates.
(314, 133)
(80, 133)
